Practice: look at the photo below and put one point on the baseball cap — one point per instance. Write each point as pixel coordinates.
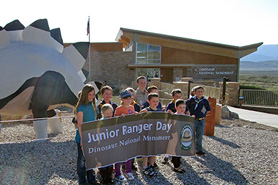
(125, 94)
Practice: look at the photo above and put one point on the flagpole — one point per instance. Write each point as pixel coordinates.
(89, 32)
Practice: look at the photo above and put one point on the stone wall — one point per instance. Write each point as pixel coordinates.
(231, 94)
(112, 68)
(183, 86)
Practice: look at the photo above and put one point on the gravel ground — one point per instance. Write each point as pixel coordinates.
(240, 152)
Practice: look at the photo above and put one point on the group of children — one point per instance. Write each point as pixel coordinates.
(148, 100)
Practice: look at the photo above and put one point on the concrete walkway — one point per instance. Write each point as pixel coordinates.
(259, 117)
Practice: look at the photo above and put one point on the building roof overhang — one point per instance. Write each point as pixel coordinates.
(127, 35)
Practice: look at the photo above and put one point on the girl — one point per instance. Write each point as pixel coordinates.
(86, 111)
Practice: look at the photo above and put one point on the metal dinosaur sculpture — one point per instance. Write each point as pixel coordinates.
(37, 73)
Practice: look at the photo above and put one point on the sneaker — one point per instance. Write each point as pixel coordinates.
(149, 171)
(129, 176)
(165, 160)
(133, 167)
(179, 170)
(120, 178)
(155, 166)
(200, 153)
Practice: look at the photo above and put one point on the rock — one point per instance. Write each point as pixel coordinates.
(227, 114)
(234, 115)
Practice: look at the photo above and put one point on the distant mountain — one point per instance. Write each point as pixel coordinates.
(264, 53)
(259, 66)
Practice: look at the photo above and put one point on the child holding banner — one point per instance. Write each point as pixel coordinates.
(86, 111)
(153, 100)
(133, 102)
(171, 107)
(198, 106)
(107, 111)
(180, 109)
(137, 108)
(152, 89)
(124, 109)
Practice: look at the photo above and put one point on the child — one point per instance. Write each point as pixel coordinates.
(106, 93)
(86, 111)
(141, 94)
(180, 109)
(74, 119)
(198, 106)
(137, 108)
(153, 100)
(133, 102)
(106, 172)
(192, 93)
(152, 89)
(171, 107)
(124, 109)
(176, 94)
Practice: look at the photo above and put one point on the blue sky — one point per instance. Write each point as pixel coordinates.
(232, 22)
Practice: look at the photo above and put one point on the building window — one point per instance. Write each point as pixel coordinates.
(149, 72)
(148, 54)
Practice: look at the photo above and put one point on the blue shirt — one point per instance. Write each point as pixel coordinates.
(146, 104)
(198, 107)
(137, 107)
(171, 106)
(88, 115)
(114, 105)
(151, 110)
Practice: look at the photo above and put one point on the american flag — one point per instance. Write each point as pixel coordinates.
(88, 26)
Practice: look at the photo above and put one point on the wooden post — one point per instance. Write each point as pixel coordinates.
(189, 89)
(224, 90)
(210, 118)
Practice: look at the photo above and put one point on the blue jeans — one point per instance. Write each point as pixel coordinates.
(81, 169)
(200, 128)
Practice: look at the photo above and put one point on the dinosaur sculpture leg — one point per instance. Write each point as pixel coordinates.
(54, 123)
(51, 89)
(40, 123)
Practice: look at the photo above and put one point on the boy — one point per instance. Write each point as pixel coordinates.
(152, 89)
(153, 100)
(171, 107)
(134, 103)
(124, 109)
(141, 94)
(106, 172)
(106, 93)
(176, 94)
(180, 109)
(198, 106)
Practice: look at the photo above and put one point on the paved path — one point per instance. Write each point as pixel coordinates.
(259, 117)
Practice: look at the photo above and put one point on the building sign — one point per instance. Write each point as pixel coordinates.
(218, 72)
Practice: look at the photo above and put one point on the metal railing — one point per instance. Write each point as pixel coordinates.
(259, 97)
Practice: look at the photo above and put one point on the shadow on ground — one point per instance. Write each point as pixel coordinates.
(29, 165)
(225, 142)
(221, 169)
